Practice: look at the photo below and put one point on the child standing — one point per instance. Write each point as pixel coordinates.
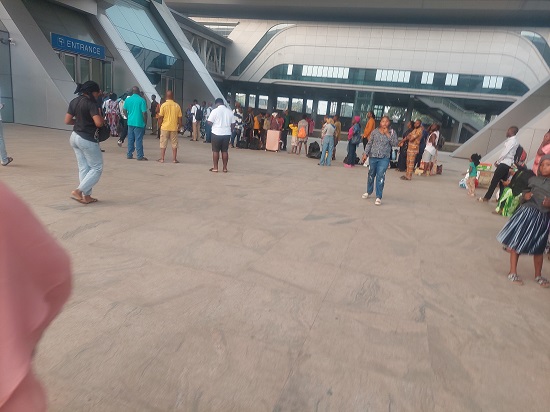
(527, 230)
(472, 174)
(294, 127)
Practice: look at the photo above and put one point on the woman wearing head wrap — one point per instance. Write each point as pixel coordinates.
(526, 233)
(354, 138)
(112, 113)
(35, 282)
(84, 115)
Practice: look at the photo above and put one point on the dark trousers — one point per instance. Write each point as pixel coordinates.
(284, 137)
(123, 129)
(501, 173)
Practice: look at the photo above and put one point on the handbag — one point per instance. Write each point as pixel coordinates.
(356, 138)
(102, 133)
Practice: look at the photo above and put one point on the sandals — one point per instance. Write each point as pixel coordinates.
(10, 159)
(543, 282)
(514, 278)
(213, 170)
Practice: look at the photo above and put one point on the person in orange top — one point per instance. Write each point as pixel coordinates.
(371, 125)
(413, 138)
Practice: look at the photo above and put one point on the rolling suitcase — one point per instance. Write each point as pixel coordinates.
(272, 140)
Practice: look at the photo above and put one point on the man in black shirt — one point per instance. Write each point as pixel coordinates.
(153, 110)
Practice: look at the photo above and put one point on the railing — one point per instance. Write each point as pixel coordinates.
(459, 113)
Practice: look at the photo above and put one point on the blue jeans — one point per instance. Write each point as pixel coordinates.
(236, 134)
(352, 148)
(3, 153)
(135, 136)
(208, 128)
(377, 170)
(328, 146)
(90, 162)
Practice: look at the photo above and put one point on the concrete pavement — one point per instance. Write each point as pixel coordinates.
(275, 287)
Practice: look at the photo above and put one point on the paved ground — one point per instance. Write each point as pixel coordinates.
(277, 288)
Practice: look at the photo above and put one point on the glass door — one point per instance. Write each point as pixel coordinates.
(69, 60)
(85, 69)
(6, 93)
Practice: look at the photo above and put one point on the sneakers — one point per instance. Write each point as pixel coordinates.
(378, 202)
(346, 165)
(119, 143)
(365, 196)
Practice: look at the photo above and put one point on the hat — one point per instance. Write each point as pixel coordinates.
(357, 119)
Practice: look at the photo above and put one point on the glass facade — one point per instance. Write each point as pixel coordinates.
(6, 91)
(540, 43)
(416, 80)
(149, 46)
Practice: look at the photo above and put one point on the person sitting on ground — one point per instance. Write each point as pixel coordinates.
(303, 127)
(169, 122)
(294, 127)
(526, 233)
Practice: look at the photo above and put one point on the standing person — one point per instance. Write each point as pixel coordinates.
(32, 293)
(422, 146)
(123, 121)
(249, 125)
(413, 142)
(112, 114)
(303, 127)
(327, 141)
(188, 122)
(6, 160)
(311, 125)
(526, 233)
(378, 151)
(369, 127)
(285, 128)
(543, 149)
(153, 109)
(294, 127)
(402, 161)
(197, 116)
(84, 115)
(222, 121)
(503, 163)
(430, 152)
(337, 133)
(207, 126)
(266, 126)
(258, 119)
(135, 108)
(162, 101)
(354, 138)
(472, 174)
(238, 120)
(169, 121)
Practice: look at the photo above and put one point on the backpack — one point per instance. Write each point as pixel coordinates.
(440, 142)
(520, 155)
(314, 151)
(199, 115)
(302, 134)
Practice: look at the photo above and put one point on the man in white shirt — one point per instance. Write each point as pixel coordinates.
(503, 163)
(196, 122)
(222, 122)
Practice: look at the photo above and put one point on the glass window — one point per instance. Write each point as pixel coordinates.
(85, 70)
(70, 65)
(346, 110)
(252, 101)
(451, 79)
(427, 78)
(97, 73)
(282, 103)
(396, 76)
(138, 28)
(492, 82)
(289, 69)
(297, 105)
(309, 106)
(333, 108)
(262, 102)
(322, 107)
(241, 98)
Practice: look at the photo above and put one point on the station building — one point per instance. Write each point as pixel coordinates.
(476, 67)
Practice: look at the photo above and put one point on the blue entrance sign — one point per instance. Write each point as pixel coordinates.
(76, 46)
